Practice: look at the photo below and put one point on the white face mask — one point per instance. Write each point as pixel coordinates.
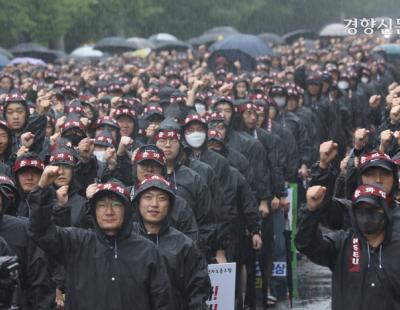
(280, 101)
(343, 85)
(99, 155)
(364, 80)
(196, 139)
(200, 108)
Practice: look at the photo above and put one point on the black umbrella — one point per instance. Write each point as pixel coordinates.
(247, 43)
(213, 35)
(247, 62)
(207, 39)
(34, 50)
(172, 46)
(115, 45)
(297, 34)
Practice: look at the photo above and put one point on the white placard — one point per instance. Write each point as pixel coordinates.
(223, 278)
(279, 269)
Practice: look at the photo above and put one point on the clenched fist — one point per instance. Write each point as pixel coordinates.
(374, 101)
(27, 139)
(62, 195)
(49, 175)
(327, 152)
(91, 190)
(124, 145)
(86, 147)
(386, 137)
(360, 138)
(315, 196)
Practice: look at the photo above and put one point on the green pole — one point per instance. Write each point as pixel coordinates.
(293, 186)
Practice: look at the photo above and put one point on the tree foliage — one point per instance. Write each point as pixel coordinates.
(82, 21)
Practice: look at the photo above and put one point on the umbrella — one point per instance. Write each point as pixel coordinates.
(212, 35)
(334, 30)
(222, 30)
(247, 62)
(27, 60)
(271, 38)
(162, 37)
(391, 50)
(35, 51)
(246, 43)
(207, 39)
(141, 42)
(115, 45)
(6, 53)
(86, 51)
(297, 34)
(4, 61)
(172, 45)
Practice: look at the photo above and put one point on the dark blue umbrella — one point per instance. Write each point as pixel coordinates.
(246, 43)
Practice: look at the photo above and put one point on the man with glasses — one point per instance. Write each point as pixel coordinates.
(109, 267)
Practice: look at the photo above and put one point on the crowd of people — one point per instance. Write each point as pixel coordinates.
(122, 178)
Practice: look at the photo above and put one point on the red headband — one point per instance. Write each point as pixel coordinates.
(368, 190)
(151, 155)
(104, 139)
(247, 106)
(125, 111)
(374, 156)
(155, 178)
(168, 134)
(195, 117)
(71, 124)
(153, 108)
(61, 157)
(35, 163)
(6, 180)
(113, 187)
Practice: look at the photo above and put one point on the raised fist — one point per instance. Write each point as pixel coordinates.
(49, 175)
(62, 195)
(315, 196)
(327, 152)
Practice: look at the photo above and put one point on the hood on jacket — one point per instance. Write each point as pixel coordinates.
(114, 188)
(379, 160)
(160, 183)
(375, 196)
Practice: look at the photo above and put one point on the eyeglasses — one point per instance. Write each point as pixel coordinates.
(103, 205)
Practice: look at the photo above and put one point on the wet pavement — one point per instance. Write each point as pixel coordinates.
(314, 287)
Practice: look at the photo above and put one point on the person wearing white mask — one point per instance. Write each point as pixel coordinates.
(195, 135)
